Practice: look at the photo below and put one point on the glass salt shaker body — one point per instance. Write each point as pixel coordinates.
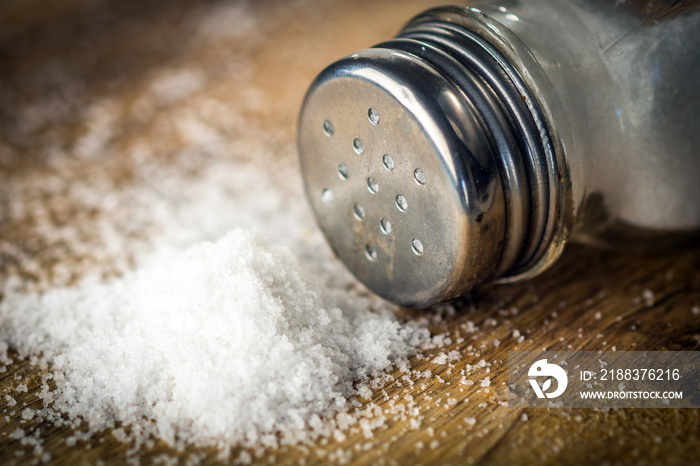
(625, 77)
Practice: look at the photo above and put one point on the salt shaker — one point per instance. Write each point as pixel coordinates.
(478, 142)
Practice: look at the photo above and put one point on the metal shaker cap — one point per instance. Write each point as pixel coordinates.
(400, 177)
(413, 172)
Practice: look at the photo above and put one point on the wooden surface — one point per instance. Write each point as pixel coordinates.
(116, 48)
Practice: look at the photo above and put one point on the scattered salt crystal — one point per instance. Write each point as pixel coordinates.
(469, 327)
(485, 382)
(28, 414)
(364, 391)
(695, 310)
(440, 359)
(21, 388)
(598, 315)
(10, 401)
(466, 381)
(119, 434)
(244, 458)
(470, 420)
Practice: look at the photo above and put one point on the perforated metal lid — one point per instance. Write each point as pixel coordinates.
(384, 165)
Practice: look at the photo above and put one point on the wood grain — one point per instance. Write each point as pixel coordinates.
(590, 300)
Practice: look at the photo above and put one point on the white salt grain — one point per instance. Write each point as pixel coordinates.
(440, 359)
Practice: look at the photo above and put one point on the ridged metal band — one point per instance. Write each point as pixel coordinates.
(515, 125)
